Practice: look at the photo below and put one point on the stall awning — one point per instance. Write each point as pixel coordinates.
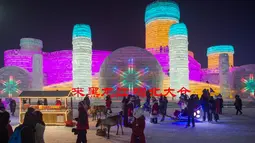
(45, 94)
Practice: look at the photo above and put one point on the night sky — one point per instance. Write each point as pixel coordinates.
(118, 23)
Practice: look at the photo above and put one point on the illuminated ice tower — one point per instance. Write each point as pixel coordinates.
(178, 57)
(214, 52)
(37, 73)
(82, 57)
(224, 75)
(159, 16)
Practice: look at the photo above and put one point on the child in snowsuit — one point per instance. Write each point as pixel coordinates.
(154, 111)
(238, 104)
(138, 126)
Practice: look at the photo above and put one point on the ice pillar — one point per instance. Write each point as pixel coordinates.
(178, 57)
(82, 57)
(224, 75)
(37, 72)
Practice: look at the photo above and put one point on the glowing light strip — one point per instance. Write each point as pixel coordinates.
(119, 72)
(251, 78)
(244, 80)
(120, 84)
(142, 72)
(130, 65)
(142, 84)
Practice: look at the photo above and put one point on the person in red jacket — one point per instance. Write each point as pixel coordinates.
(108, 103)
(82, 123)
(138, 126)
(154, 111)
(58, 102)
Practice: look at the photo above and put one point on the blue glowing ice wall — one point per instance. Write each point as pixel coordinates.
(178, 29)
(220, 49)
(162, 10)
(82, 30)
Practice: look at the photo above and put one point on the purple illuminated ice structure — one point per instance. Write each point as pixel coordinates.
(194, 66)
(57, 66)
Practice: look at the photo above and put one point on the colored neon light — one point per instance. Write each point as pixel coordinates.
(162, 9)
(220, 49)
(11, 86)
(178, 29)
(249, 85)
(133, 74)
(82, 30)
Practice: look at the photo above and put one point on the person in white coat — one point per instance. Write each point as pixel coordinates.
(39, 127)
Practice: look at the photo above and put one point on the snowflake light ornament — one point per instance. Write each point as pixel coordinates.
(131, 77)
(249, 85)
(10, 86)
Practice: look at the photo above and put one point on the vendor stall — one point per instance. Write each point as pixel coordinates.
(56, 106)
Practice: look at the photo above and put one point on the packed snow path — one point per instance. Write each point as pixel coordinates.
(230, 129)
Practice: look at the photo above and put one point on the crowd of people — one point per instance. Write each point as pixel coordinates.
(33, 127)
(30, 131)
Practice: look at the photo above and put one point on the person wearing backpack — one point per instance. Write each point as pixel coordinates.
(4, 121)
(39, 127)
(25, 133)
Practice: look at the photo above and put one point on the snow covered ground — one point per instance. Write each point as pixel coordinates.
(230, 129)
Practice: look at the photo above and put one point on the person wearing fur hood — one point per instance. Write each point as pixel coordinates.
(138, 126)
(154, 111)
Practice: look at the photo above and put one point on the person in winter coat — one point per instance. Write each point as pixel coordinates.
(154, 111)
(204, 100)
(125, 102)
(39, 127)
(12, 106)
(2, 104)
(163, 106)
(58, 102)
(4, 121)
(212, 110)
(238, 104)
(183, 102)
(219, 104)
(148, 100)
(45, 101)
(108, 103)
(82, 123)
(87, 100)
(137, 101)
(138, 126)
(28, 131)
(130, 109)
(10, 130)
(192, 103)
